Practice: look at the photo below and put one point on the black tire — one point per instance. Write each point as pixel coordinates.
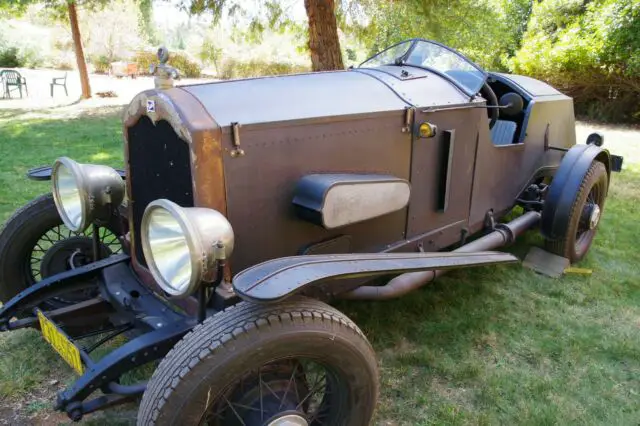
(577, 239)
(20, 236)
(203, 367)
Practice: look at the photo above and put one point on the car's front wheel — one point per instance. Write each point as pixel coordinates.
(300, 362)
(35, 244)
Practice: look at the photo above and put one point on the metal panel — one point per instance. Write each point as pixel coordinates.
(261, 183)
(293, 97)
(431, 90)
(429, 163)
(503, 172)
(530, 85)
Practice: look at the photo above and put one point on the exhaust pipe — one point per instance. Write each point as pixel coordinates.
(505, 233)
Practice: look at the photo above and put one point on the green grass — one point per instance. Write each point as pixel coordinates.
(495, 345)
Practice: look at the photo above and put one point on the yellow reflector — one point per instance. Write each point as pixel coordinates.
(427, 130)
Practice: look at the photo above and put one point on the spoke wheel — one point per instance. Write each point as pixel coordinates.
(35, 244)
(298, 363)
(298, 391)
(60, 249)
(584, 216)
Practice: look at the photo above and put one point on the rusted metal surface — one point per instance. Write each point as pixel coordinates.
(195, 126)
(276, 279)
(261, 184)
(252, 140)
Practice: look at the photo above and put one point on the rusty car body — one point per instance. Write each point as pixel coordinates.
(251, 202)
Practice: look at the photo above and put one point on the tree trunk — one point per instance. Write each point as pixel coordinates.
(323, 35)
(77, 44)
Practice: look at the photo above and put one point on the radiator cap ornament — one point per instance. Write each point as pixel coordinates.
(163, 73)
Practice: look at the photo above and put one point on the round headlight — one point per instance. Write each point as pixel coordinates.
(67, 197)
(83, 192)
(179, 245)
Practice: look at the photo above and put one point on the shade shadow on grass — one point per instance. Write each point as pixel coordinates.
(30, 143)
(503, 345)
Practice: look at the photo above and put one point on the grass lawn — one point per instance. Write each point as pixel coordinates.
(494, 345)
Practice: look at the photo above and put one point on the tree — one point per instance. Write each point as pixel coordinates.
(324, 44)
(590, 50)
(62, 8)
(77, 47)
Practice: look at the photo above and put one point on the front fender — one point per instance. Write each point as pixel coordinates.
(565, 186)
(278, 279)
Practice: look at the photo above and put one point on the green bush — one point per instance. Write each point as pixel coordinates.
(9, 58)
(186, 66)
(101, 64)
(591, 51)
(181, 62)
(232, 68)
(144, 60)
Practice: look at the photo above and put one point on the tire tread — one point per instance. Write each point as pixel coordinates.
(241, 320)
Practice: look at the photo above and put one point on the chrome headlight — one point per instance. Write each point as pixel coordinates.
(83, 192)
(179, 244)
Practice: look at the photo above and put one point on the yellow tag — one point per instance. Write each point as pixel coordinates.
(581, 271)
(61, 343)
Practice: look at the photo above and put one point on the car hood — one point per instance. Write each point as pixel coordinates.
(323, 94)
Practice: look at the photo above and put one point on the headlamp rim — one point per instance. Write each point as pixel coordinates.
(193, 242)
(74, 169)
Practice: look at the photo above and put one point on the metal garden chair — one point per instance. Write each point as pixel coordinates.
(59, 81)
(12, 81)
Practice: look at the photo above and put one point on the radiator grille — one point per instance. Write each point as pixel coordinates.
(159, 167)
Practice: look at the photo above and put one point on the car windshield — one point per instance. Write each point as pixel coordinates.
(435, 57)
(388, 56)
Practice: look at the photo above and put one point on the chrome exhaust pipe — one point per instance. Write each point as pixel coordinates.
(505, 233)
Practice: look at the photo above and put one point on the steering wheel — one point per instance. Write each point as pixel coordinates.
(492, 101)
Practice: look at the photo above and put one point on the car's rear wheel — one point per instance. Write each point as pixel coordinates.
(300, 361)
(584, 216)
(35, 244)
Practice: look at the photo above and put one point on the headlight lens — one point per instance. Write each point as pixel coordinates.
(84, 193)
(179, 245)
(68, 196)
(169, 250)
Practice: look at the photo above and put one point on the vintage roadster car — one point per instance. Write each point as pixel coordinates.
(251, 203)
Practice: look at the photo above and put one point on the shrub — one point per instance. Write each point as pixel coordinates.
(9, 58)
(589, 50)
(180, 61)
(186, 66)
(232, 68)
(144, 60)
(101, 64)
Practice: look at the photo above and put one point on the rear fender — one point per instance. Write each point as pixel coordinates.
(278, 279)
(566, 184)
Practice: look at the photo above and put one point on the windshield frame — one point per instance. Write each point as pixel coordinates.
(402, 61)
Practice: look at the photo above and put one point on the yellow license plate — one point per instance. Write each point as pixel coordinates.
(61, 343)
